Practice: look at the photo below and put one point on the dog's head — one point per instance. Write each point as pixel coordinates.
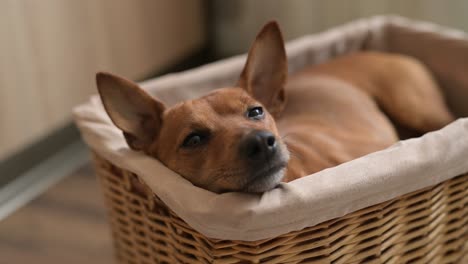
(224, 141)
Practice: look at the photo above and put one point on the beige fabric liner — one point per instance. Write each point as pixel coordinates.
(405, 167)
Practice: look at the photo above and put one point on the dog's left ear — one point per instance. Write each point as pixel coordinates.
(266, 69)
(131, 109)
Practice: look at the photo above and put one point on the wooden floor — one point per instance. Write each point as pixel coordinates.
(64, 225)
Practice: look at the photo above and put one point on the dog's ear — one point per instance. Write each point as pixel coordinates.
(265, 72)
(131, 109)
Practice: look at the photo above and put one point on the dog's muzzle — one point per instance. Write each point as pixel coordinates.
(258, 146)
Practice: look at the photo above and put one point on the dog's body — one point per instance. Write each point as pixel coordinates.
(334, 112)
(322, 116)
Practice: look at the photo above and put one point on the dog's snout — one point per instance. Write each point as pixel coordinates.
(258, 144)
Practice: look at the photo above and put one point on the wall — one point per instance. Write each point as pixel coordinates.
(51, 49)
(237, 22)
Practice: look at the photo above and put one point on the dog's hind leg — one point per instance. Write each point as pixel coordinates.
(414, 100)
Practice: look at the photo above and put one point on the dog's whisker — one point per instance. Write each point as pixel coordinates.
(225, 175)
(295, 155)
(289, 134)
(292, 153)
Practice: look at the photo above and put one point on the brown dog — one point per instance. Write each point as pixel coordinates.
(249, 137)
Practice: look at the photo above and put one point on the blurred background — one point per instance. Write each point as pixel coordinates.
(50, 51)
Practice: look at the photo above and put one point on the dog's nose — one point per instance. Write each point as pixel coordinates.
(258, 144)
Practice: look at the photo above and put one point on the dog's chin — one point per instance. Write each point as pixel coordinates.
(266, 182)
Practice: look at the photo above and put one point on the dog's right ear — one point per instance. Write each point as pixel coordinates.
(266, 69)
(131, 109)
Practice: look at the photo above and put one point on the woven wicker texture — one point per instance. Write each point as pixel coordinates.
(427, 226)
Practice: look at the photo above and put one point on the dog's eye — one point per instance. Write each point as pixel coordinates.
(193, 140)
(255, 112)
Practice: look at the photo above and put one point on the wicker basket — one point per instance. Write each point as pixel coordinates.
(426, 226)
(429, 225)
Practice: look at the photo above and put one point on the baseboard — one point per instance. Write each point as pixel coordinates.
(39, 177)
(29, 157)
